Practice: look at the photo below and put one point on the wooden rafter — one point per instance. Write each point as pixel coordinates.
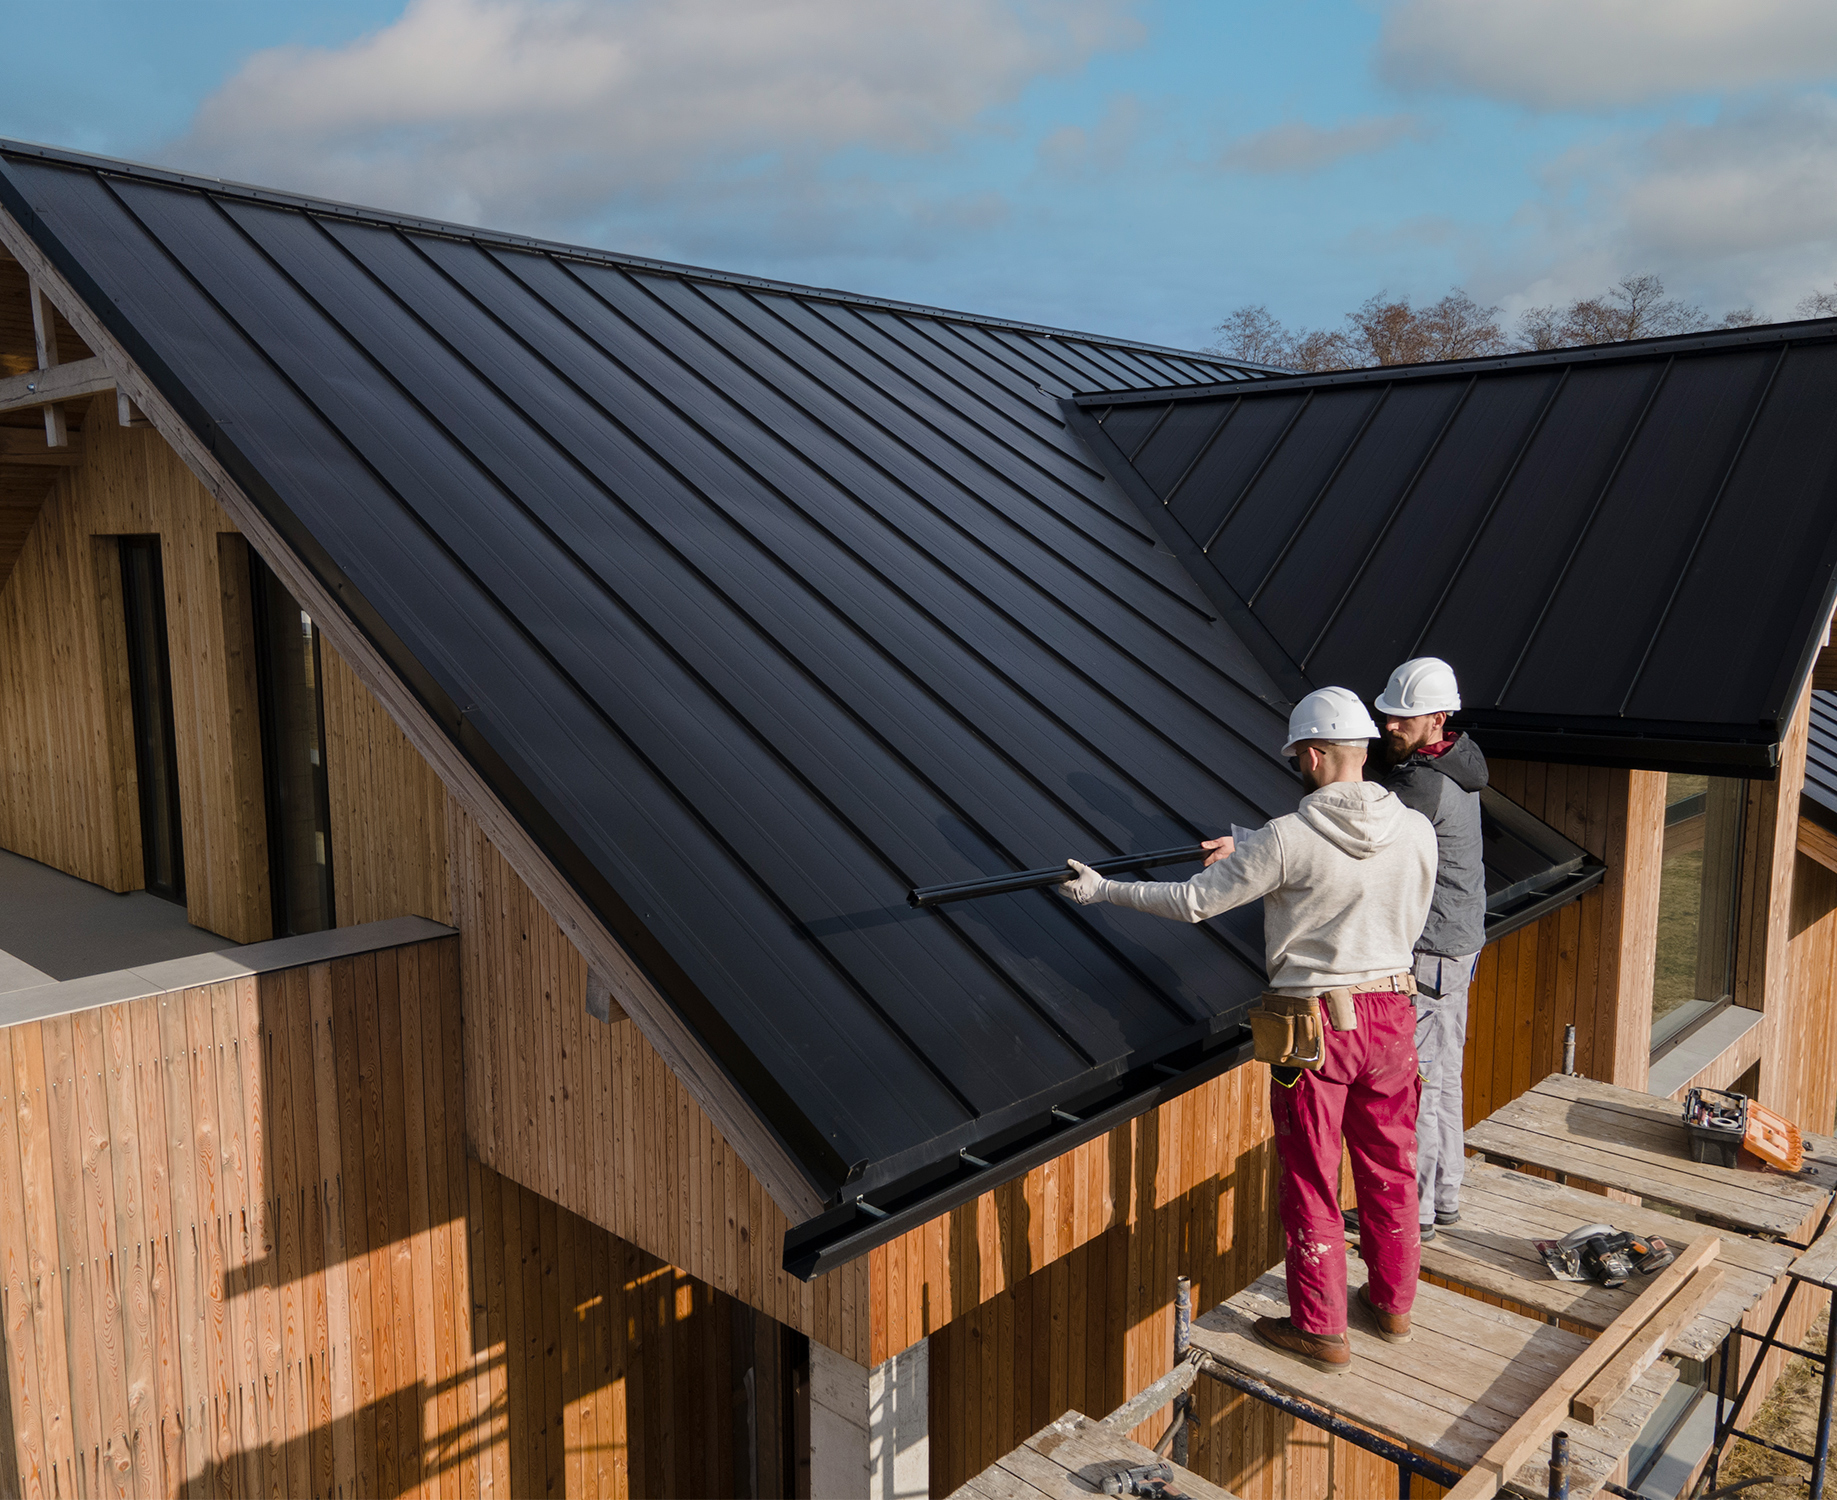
(44, 332)
(82, 377)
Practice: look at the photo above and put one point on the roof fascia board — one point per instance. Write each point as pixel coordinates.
(1237, 614)
(107, 166)
(1772, 336)
(437, 728)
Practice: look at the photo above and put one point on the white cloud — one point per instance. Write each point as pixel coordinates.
(1606, 54)
(548, 115)
(1296, 146)
(1741, 209)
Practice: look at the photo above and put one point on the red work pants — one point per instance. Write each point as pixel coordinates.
(1368, 1087)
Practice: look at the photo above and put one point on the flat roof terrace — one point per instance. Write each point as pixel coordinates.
(67, 945)
(54, 927)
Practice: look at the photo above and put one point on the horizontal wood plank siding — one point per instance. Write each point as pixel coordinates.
(243, 1251)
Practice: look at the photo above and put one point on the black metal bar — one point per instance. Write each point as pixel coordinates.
(1817, 1356)
(1402, 1457)
(1559, 1466)
(1028, 880)
(1746, 1387)
(1761, 1442)
(1621, 1490)
(1822, 1458)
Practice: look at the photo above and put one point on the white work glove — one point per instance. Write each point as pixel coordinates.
(1086, 888)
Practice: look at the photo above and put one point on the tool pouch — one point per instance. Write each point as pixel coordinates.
(1287, 1033)
(1342, 1015)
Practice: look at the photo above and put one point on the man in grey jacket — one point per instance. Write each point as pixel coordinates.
(1439, 774)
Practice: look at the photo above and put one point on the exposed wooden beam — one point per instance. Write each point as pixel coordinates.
(44, 332)
(1817, 842)
(127, 414)
(23, 445)
(83, 377)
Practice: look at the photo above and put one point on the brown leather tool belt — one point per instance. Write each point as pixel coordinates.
(1289, 1031)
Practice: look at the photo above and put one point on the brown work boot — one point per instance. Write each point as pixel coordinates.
(1329, 1352)
(1393, 1328)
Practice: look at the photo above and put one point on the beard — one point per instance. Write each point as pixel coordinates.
(1393, 751)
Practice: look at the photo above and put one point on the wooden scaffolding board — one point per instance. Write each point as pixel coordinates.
(1071, 1459)
(1468, 1374)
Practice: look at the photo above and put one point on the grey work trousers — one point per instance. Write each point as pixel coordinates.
(1441, 1042)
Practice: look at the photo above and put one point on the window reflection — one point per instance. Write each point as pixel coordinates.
(1694, 968)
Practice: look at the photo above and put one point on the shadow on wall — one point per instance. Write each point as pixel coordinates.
(1052, 1341)
(243, 1250)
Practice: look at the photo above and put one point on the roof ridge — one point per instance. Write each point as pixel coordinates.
(1760, 336)
(199, 182)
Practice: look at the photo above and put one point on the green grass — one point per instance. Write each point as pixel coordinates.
(1680, 898)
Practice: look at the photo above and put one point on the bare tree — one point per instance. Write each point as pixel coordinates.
(1253, 334)
(1389, 331)
(1383, 331)
(1635, 308)
(1818, 305)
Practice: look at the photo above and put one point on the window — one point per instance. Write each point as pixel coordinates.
(1698, 882)
(156, 756)
(293, 757)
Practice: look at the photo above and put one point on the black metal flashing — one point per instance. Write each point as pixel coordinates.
(1819, 798)
(1628, 552)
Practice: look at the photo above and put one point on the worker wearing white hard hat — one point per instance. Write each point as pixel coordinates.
(1439, 772)
(1345, 882)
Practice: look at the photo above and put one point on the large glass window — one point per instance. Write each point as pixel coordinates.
(293, 757)
(1698, 884)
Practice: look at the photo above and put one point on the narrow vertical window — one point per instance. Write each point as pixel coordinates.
(156, 756)
(1699, 882)
(287, 676)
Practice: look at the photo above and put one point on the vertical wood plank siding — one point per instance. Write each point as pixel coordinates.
(67, 780)
(243, 1251)
(586, 1113)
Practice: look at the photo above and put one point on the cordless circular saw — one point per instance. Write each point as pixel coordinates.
(1600, 1252)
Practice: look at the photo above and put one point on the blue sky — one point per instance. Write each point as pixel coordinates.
(1136, 167)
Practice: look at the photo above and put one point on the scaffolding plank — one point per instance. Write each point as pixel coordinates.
(1071, 1458)
(1469, 1373)
(1624, 1139)
(1502, 1212)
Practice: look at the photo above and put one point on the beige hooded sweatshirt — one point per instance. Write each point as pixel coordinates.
(1346, 880)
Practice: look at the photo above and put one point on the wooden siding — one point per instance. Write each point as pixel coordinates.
(67, 781)
(389, 810)
(1590, 964)
(587, 1113)
(1187, 1189)
(1808, 1074)
(243, 1252)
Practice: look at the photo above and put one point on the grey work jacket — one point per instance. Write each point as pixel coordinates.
(1445, 789)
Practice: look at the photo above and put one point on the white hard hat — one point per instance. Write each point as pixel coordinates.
(1329, 713)
(1423, 686)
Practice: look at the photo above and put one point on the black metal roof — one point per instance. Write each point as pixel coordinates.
(1628, 552)
(1821, 759)
(757, 605)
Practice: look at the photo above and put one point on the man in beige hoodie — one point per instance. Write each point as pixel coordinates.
(1346, 881)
